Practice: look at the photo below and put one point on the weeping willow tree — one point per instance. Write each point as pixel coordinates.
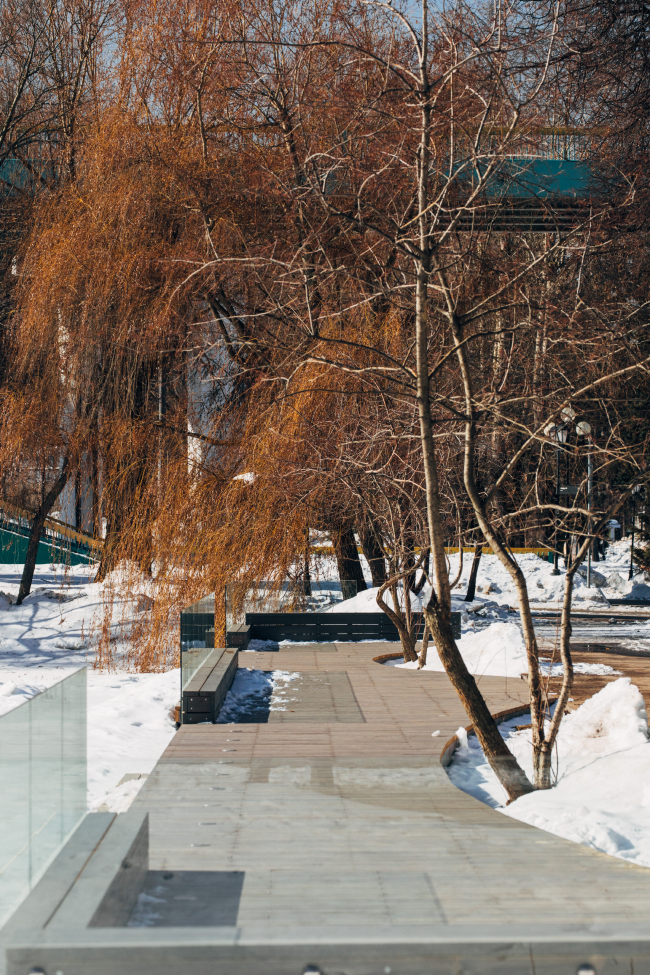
(120, 370)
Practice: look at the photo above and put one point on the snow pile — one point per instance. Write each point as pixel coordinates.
(254, 693)
(612, 720)
(638, 590)
(602, 796)
(497, 651)
(550, 669)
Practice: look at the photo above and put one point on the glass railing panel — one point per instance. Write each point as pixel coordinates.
(285, 596)
(197, 624)
(46, 772)
(43, 776)
(75, 800)
(192, 658)
(15, 832)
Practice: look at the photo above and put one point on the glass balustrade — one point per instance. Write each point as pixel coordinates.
(43, 776)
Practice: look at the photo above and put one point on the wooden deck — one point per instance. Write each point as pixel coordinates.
(345, 826)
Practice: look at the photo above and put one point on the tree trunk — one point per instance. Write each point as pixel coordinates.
(78, 517)
(94, 474)
(507, 769)
(438, 610)
(306, 574)
(401, 617)
(48, 502)
(113, 509)
(452, 585)
(347, 558)
(422, 659)
(471, 585)
(374, 556)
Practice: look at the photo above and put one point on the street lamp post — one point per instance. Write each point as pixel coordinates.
(559, 432)
(634, 494)
(583, 429)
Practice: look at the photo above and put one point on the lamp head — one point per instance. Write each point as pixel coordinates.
(583, 428)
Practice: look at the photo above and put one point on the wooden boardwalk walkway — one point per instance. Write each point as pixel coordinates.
(342, 826)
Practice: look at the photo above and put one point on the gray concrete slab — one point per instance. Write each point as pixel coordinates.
(107, 886)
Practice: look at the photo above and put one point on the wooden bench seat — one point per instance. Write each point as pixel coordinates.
(205, 692)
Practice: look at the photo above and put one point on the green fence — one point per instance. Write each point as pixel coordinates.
(53, 546)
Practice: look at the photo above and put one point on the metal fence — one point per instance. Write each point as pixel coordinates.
(57, 543)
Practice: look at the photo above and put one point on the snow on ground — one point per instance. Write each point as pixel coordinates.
(129, 724)
(609, 580)
(495, 591)
(550, 669)
(602, 795)
(497, 651)
(253, 694)
(129, 727)
(366, 602)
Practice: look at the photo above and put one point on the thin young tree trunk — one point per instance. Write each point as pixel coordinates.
(94, 473)
(537, 696)
(48, 502)
(403, 619)
(471, 585)
(113, 508)
(438, 610)
(452, 585)
(78, 517)
(306, 574)
(422, 659)
(542, 756)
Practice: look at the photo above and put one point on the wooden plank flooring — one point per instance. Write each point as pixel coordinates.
(350, 828)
